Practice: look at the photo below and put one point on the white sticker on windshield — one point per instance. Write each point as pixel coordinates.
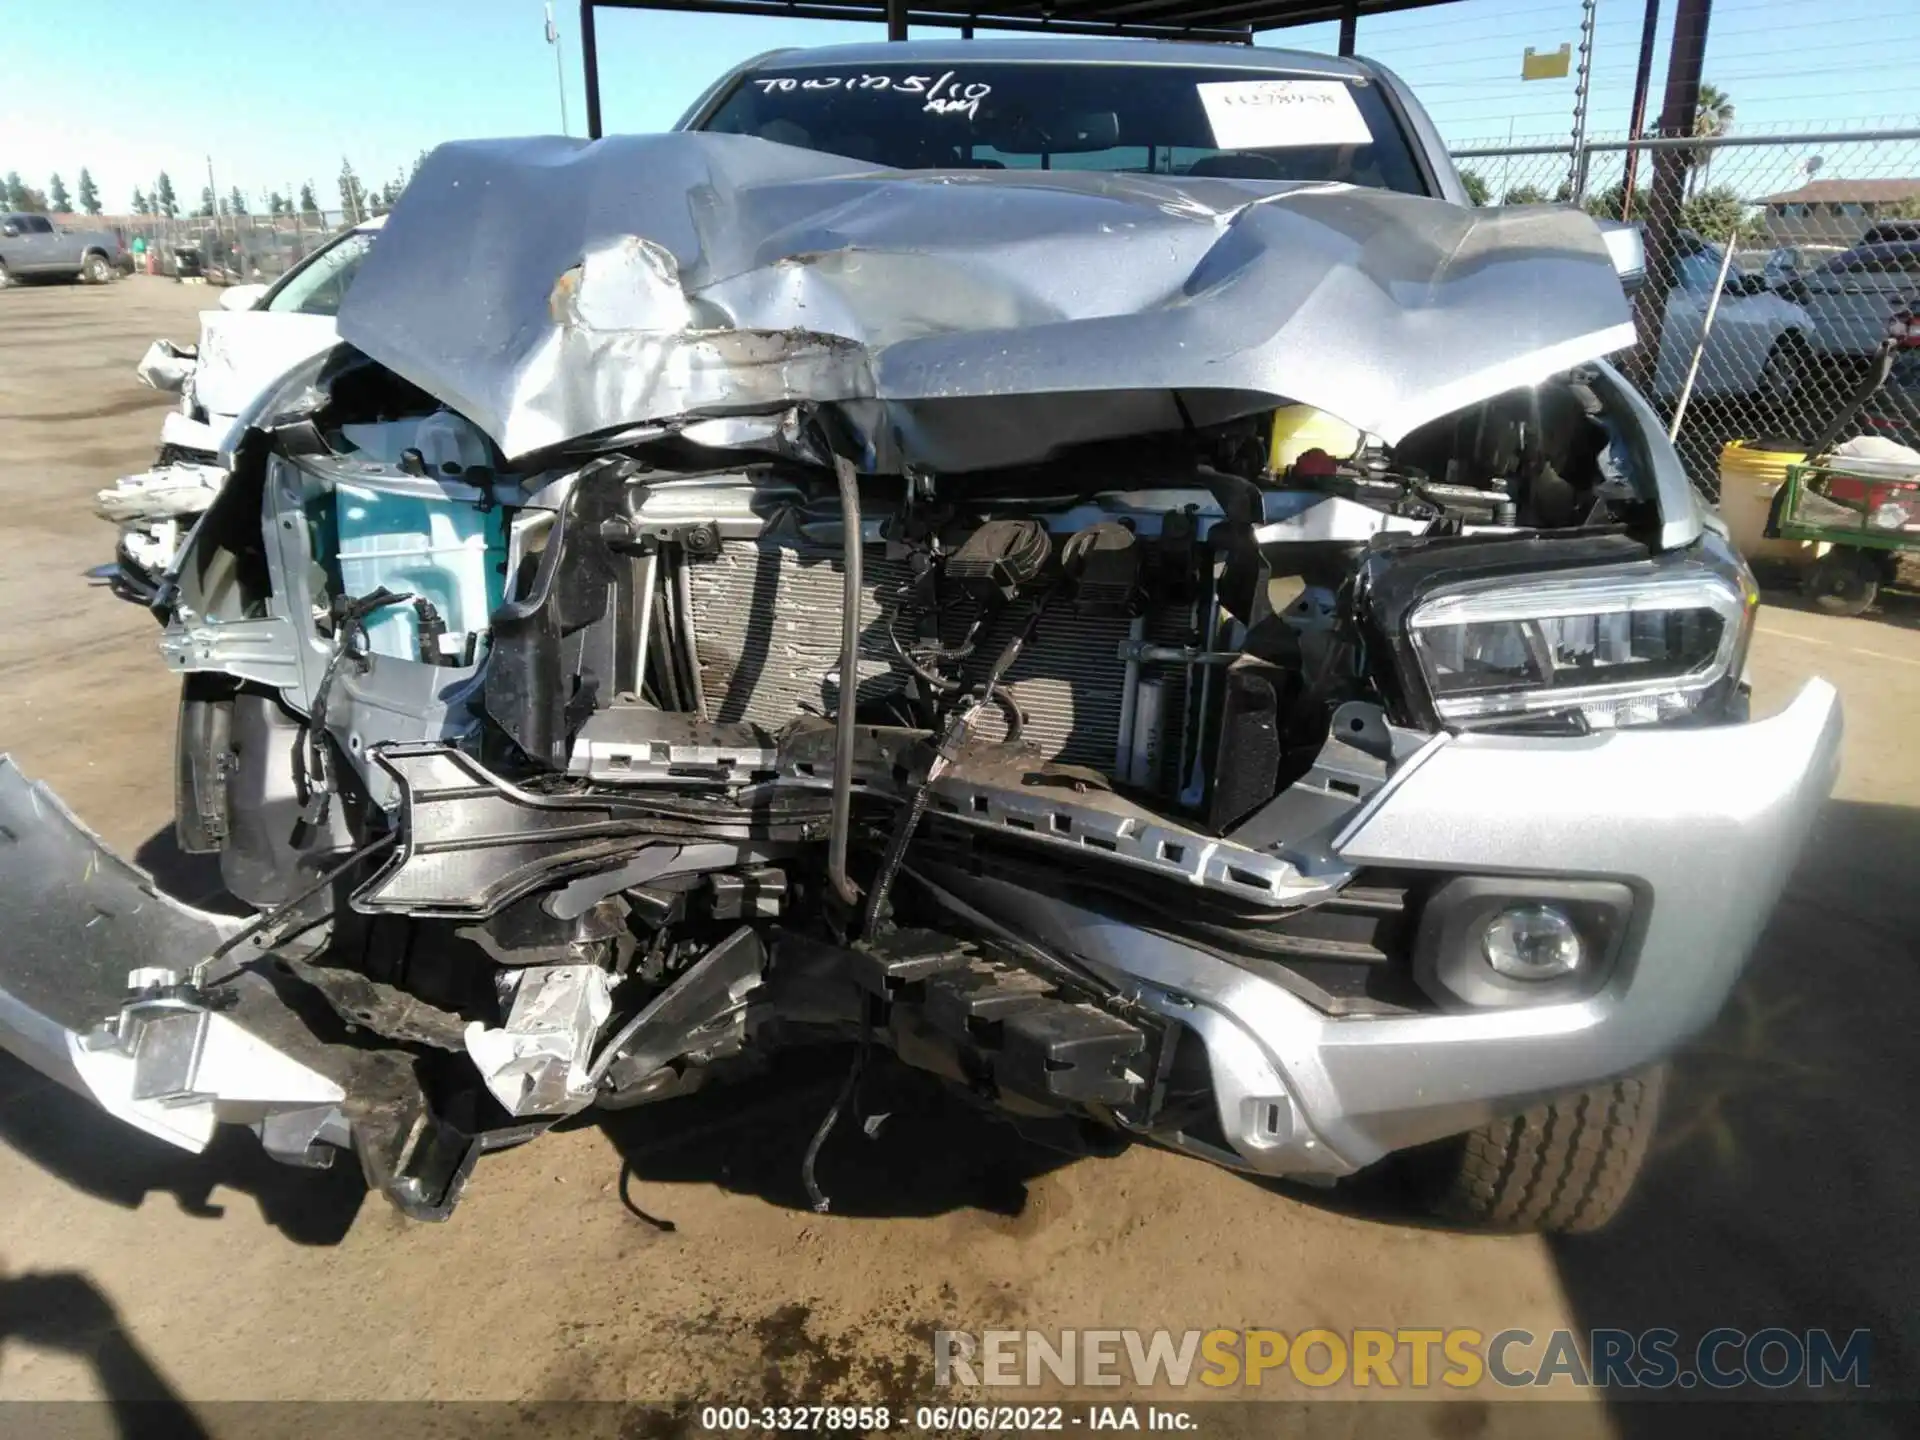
(1268, 114)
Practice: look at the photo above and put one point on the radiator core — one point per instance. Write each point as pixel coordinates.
(767, 630)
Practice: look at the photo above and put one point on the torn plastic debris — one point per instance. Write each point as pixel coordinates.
(539, 1062)
(166, 366)
(169, 492)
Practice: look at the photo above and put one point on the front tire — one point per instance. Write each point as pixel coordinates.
(94, 270)
(1843, 582)
(1565, 1166)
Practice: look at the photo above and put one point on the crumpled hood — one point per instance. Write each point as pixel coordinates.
(551, 289)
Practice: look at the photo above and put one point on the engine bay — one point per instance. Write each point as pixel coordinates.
(634, 743)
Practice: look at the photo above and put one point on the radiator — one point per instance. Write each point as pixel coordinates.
(767, 631)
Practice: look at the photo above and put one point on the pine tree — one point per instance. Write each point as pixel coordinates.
(277, 203)
(353, 195)
(16, 191)
(57, 194)
(165, 202)
(140, 206)
(207, 205)
(89, 193)
(236, 202)
(309, 207)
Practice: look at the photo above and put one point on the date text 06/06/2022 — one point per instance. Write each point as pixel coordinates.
(943, 1419)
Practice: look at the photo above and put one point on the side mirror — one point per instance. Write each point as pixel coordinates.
(241, 297)
(10, 231)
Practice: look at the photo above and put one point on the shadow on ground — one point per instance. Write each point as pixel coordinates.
(66, 1312)
(1781, 1190)
(905, 1146)
(91, 1151)
(1896, 606)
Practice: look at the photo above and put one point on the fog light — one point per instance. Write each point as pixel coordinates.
(1532, 942)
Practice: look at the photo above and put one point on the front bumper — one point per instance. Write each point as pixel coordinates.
(1704, 825)
(77, 920)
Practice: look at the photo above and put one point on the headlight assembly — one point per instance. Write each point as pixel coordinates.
(1632, 644)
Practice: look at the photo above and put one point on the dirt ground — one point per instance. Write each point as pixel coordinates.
(1782, 1190)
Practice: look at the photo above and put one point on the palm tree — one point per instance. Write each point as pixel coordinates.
(1712, 118)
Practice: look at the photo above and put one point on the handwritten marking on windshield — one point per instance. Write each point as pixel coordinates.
(943, 94)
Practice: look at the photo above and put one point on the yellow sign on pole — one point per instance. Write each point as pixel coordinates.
(1553, 65)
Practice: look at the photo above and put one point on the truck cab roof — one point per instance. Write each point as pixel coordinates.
(1063, 49)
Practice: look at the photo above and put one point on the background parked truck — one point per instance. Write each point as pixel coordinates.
(32, 245)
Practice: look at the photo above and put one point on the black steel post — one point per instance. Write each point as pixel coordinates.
(1636, 121)
(896, 19)
(1685, 58)
(590, 63)
(1349, 24)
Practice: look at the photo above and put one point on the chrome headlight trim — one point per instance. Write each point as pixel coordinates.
(1623, 591)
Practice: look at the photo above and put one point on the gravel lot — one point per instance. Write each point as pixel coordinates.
(1782, 1191)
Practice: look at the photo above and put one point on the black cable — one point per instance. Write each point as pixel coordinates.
(815, 1195)
(267, 919)
(940, 684)
(627, 1176)
(350, 623)
(896, 851)
(946, 751)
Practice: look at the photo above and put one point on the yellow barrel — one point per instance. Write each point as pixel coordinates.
(1749, 479)
(1300, 428)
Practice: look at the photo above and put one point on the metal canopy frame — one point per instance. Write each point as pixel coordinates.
(1230, 21)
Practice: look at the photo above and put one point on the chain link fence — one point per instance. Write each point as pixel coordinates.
(1799, 249)
(227, 249)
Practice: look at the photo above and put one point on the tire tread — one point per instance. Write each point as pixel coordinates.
(1565, 1165)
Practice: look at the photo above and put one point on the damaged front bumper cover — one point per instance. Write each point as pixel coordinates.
(85, 932)
(90, 995)
(1701, 825)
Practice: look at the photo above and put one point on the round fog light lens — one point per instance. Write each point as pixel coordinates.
(1532, 942)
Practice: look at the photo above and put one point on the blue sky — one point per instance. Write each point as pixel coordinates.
(276, 94)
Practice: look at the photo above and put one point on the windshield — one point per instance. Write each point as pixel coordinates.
(1698, 270)
(317, 286)
(1154, 119)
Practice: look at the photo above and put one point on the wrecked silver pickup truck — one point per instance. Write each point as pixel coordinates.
(1085, 568)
